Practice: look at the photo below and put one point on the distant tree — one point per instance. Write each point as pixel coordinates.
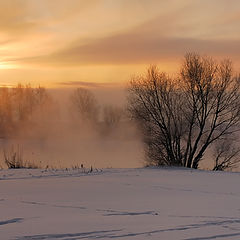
(85, 105)
(23, 102)
(29, 103)
(112, 115)
(181, 118)
(6, 113)
(22, 106)
(44, 105)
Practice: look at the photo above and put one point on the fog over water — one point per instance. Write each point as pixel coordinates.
(58, 140)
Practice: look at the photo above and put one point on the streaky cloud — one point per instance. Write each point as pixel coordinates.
(87, 84)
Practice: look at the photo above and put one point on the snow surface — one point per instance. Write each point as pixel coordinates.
(119, 204)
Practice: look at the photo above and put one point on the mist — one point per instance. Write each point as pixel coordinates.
(58, 139)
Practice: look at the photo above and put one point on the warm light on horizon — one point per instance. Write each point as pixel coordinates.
(7, 65)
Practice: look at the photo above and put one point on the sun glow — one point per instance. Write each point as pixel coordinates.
(7, 65)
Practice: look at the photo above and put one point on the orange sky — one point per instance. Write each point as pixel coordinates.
(62, 43)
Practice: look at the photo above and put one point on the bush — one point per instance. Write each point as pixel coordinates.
(14, 159)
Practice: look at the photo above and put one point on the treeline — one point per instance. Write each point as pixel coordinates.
(25, 109)
(22, 106)
(38, 129)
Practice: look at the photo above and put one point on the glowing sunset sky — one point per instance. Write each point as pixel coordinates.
(74, 42)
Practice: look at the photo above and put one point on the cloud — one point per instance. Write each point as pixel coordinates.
(86, 84)
(15, 18)
(21, 16)
(136, 47)
(164, 37)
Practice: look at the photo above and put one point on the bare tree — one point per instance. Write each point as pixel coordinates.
(23, 101)
(181, 118)
(226, 152)
(112, 115)
(213, 104)
(155, 101)
(111, 119)
(85, 105)
(6, 113)
(22, 105)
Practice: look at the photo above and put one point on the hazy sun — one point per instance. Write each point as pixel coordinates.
(7, 65)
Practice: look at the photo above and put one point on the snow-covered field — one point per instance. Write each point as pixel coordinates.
(119, 204)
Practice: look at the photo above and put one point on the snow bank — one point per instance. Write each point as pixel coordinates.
(167, 203)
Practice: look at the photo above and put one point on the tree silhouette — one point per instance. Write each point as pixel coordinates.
(181, 118)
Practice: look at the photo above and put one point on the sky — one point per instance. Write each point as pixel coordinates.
(102, 43)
